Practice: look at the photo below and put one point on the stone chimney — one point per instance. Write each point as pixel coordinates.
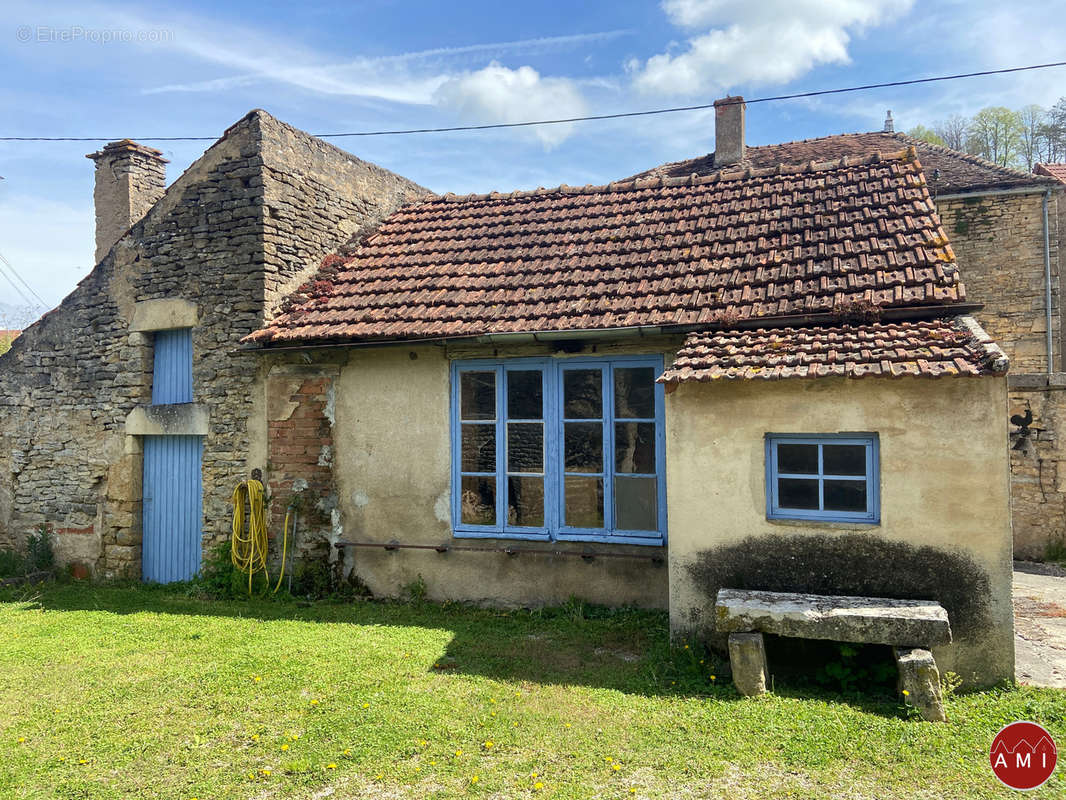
(890, 124)
(728, 131)
(130, 178)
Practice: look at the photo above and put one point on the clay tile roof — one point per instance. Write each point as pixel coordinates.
(746, 244)
(955, 346)
(1056, 171)
(959, 172)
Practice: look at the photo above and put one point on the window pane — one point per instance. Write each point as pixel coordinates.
(634, 447)
(584, 502)
(634, 392)
(583, 446)
(477, 392)
(525, 395)
(525, 447)
(844, 459)
(801, 458)
(796, 493)
(845, 495)
(478, 501)
(582, 394)
(525, 502)
(635, 504)
(479, 448)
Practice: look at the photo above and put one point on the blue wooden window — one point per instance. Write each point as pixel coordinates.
(172, 370)
(559, 449)
(828, 477)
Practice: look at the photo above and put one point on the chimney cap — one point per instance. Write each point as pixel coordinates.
(890, 125)
(729, 100)
(127, 146)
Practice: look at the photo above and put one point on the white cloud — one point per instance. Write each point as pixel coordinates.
(499, 94)
(757, 43)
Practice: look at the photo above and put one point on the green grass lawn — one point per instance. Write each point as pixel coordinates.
(135, 692)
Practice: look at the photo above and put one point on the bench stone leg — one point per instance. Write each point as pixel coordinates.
(747, 658)
(919, 676)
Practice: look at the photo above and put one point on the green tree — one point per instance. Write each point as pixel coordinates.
(995, 134)
(925, 134)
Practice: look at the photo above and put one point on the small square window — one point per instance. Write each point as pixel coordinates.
(832, 478)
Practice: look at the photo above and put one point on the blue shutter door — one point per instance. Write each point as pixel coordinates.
(173, 508)
(172, 372)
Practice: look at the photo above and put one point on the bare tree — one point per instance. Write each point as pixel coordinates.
(952, 131)
(1031, 141)
(1054, 132)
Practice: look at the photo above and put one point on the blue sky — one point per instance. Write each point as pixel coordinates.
(79, 69)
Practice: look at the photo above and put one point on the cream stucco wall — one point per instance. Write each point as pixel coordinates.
(392, 473)
(945, 506)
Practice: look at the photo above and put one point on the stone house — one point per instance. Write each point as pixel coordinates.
(764, 376)
(1007, 229)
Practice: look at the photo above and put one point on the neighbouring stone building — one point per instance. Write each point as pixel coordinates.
(754, 374)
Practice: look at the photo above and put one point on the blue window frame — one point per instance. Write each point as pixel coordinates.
(172, 367)
(827, 477)
(559, 449)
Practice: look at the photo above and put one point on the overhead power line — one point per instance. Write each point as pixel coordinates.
(11, 268)
(589, 118)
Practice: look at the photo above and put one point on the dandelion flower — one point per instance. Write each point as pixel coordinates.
(714, 678)
(83, 761)
(251, 776)
(266, 771)
(632, 789)
(366, 705)
(331, 766)
(905, 694)
(568, 725)
(431, 763)
(314, 702)
(532, 774)
(255, 737)
(538, 786)
(257, 679)
(458, 753)
(616, 767)
(379, 776)
(423, 743)
(22, 739)
(285, 747)
(516, 724)
(347, 752)
(487, 745)
(686, 647)
(473, 779)
(608, 759)
(492, 713)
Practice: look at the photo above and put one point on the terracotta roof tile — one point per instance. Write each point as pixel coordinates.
(959, 172)
(1056, 171)
(741, 245)
(955, 346)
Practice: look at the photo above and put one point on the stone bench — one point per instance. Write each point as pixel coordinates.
(910, 627)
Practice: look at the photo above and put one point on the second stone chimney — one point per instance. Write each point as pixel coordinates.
(130, 179)
(728, 131)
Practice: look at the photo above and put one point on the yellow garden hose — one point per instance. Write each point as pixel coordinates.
(248, 548)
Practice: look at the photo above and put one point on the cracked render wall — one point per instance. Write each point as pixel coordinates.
(248, 221)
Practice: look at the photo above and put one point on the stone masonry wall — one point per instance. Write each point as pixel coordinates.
(255, 214)
(999, 244)
(1038, 465)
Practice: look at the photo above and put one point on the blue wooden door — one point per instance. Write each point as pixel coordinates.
(173, 508)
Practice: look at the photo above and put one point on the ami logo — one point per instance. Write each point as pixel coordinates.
(1023, 755)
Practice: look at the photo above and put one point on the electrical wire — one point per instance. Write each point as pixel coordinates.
(22, 280)
(619, 115)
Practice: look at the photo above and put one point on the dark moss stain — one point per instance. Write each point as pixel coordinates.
(851, 564)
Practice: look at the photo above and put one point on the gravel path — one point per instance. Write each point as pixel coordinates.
(1040, 624)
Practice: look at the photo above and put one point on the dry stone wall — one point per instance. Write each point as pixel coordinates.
(254, 216)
